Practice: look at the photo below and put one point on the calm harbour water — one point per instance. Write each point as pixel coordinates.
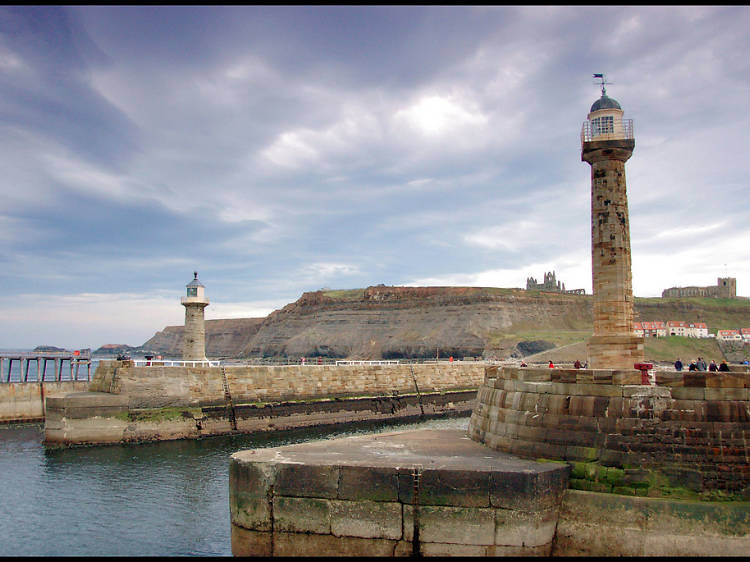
(159, 499)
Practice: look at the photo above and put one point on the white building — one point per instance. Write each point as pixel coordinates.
(654, 329)
(677, 328)
(728, 335)
(687, 329)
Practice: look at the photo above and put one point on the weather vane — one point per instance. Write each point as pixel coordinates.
(603, 79)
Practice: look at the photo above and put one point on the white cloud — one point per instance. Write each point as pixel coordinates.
(249, 309)
(688, 231)
(510, 236)
(437, 116)
(291, 149)
(573, 269)
(323, 271)
(85, 320)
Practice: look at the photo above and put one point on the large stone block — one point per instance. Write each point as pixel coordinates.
(516, 528)
(458, 525)
(366, 519)
(301, 515)
(726, 393)
(530, 490)
(582, 537)
(688, 393)
(307, 480)
(249, 494)
(303, 544)
(368, 483)
(726, 380)
(251, 543)
(454, 487)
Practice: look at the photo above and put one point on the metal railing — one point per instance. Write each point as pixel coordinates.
(173, 363)
(284, 362)
(358, 362)
(623, 130)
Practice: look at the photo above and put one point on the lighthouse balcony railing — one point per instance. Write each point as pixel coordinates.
(621, 130)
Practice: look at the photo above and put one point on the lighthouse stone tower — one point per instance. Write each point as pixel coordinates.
(194, 336)
(607, 142)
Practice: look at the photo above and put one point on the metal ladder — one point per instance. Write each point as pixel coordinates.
(416, 475)
(228, 399)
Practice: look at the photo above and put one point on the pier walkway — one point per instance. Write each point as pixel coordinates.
(74, 359)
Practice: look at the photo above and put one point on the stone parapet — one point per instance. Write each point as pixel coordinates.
(158, 386)
(583, 415)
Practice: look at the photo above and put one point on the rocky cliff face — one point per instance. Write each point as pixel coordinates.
(224, 338)
(415, 322)
(420, 322)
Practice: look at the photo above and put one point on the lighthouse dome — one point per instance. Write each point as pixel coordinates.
(605, 102)
(195, 282)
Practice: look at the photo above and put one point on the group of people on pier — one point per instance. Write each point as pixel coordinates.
(700, 365)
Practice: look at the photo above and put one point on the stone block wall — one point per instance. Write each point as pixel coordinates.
(154, 387)
(699, 422)
(592, 524)
(24, 401)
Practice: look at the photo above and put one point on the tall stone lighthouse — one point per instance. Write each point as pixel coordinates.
(194, 335)
(607, 142)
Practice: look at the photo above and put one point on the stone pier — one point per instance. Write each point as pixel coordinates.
(427, 492)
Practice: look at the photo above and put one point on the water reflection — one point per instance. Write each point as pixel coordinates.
(160, 499)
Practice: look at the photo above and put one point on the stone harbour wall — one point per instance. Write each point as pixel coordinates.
(594, 524)
(125, 403)
(692, 425)
(100, 418)
(24, 401)
(159, 386)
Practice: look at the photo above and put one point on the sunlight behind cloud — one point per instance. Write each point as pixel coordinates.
(291, 150)
(435, 115)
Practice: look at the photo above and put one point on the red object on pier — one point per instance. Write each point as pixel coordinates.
(644, 368)
(76, 352)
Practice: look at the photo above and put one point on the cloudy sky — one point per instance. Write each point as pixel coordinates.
(278, 150)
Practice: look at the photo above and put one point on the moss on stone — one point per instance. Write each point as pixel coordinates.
(555, 461)
(589, 485)
(615, 476)
(601, 473)
(160, 414)
(577, 470)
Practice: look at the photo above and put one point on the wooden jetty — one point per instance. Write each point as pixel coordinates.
(74, 359)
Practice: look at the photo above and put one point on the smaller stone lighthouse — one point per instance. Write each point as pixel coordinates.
(194, 337)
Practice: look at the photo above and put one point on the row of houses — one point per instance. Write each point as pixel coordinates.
(743, 335)
(658, 329)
